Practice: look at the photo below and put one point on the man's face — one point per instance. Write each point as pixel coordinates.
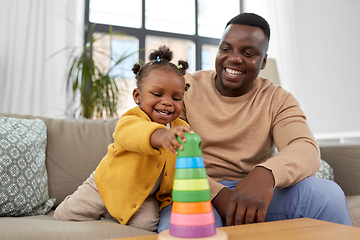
(241, 56)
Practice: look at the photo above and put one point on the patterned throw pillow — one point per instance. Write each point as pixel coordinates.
(325, 171)
(23, 175)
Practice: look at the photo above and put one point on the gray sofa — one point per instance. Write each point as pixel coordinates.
(74, 149)
(345, 162)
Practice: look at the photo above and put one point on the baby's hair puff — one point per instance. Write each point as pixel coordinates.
(159, 59)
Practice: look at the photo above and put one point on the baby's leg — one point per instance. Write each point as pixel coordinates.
(147, 217)
(83, 205)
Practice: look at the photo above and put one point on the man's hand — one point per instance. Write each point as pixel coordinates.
(250, 199)
(222, 201)
(167, 137)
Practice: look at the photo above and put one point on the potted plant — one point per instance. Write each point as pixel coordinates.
(97, 88)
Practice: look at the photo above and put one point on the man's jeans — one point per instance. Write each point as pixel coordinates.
(312, 198)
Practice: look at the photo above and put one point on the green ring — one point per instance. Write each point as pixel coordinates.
(190, 173)
(191, 196)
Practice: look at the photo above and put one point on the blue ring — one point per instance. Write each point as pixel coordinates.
(190, 162)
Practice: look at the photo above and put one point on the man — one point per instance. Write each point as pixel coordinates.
(241, 118)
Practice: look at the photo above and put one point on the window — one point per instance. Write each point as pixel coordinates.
(178, 17)
(115, 12)
(191, 28)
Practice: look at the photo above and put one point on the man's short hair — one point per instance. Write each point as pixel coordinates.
(253, 20)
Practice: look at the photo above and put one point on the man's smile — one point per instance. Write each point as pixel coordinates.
(233, 72)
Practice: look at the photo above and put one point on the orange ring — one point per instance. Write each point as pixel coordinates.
(192, 207)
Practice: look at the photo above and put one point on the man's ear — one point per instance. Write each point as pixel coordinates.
(264, 62)
(136, 95)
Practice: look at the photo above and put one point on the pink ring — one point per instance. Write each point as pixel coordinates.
(199, 219)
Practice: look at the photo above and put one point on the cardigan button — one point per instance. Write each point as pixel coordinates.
(167, 173)
(134, 206)
(158, 166)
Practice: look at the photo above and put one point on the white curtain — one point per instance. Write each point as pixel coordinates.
(32, 75)
(280, 16)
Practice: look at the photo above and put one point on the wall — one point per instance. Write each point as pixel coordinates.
(319, 42)
(315, 44)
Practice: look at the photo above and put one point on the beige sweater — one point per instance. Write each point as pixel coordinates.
(239, 133)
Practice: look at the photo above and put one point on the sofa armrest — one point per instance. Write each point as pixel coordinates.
(345, 161)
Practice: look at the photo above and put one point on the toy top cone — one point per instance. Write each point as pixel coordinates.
(191, 147)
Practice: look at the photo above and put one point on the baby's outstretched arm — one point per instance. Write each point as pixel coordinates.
(167, 137)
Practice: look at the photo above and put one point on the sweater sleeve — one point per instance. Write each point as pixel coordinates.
(215, 187)
(299, 155)
(133, 132)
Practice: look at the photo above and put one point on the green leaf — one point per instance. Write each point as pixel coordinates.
(99, 93)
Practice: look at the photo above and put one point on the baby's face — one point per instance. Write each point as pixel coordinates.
(161, 95)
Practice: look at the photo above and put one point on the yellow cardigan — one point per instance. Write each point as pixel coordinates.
(127, 174)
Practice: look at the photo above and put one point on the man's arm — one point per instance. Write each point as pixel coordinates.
(299, 155)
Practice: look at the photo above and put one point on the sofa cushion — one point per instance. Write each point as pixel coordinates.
(344, 159)
(74, 149)
(45, 227)
(325, 171)
(23, 175)
(354, 209)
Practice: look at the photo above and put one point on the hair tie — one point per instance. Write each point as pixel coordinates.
(180, 66)
(158, 59)
(139, 70)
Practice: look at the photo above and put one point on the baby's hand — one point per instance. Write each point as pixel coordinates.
(167, 138)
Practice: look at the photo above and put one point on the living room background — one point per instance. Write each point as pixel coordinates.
(314, 43)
